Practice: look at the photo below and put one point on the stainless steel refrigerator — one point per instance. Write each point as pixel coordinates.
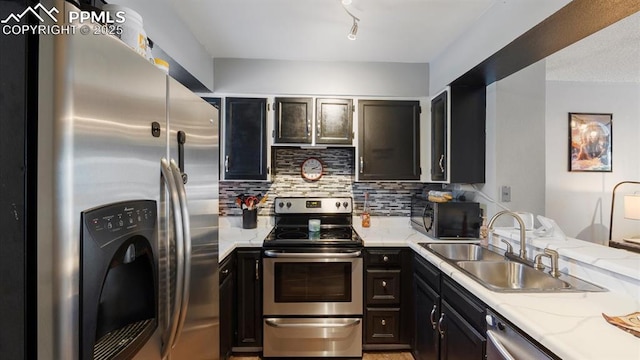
(114, 130)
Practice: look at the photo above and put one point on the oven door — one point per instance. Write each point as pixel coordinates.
(312, 283)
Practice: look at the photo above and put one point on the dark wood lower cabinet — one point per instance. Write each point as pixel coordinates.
(249, 300)
(387, 298)
(427, 342)
(449, 320)
(460, 340)
(227, 306)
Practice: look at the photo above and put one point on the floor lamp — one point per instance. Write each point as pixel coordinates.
(632, 206)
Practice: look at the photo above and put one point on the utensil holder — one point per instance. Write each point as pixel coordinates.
(249, 218)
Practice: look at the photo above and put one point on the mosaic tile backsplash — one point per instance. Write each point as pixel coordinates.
(385, 198)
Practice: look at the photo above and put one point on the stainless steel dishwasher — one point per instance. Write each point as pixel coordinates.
(505, 342)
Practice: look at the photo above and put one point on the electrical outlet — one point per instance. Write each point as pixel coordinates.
(505, 194)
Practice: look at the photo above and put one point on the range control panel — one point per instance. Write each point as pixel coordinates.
(315, 205)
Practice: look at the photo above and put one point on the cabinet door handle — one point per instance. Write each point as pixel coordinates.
(432, 317)
(441, 162)
(225, 271)
(361, 164)
(308, 127)
(441, 330)
(257, 269)
(319, 128)
(226, 164)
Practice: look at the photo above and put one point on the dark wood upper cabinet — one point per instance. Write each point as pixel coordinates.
(389, 140)
(334, 121)
(439, 136)
(245, 139)
(293, 120)
(458, 118)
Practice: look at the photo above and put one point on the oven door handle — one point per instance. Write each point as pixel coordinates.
(276, 324)
(282, 254)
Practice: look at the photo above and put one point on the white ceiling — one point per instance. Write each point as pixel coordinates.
(610, 55)
(413, 31)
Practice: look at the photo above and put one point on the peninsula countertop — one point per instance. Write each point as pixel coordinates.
(568, 324)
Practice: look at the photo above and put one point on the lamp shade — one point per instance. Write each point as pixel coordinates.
(632, 207)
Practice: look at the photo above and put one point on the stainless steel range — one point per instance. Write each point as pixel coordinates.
(313, 280)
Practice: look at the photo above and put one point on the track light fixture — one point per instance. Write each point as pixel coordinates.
(354, 30)
(354, 27)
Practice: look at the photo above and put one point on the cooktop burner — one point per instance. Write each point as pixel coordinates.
(302, 237)
(303, 233)
(292, 218)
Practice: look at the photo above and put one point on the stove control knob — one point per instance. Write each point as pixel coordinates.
(345, 204)
(288, 204)
(280, 204)
(337, 204)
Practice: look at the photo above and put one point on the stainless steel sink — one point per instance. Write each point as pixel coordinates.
(497, 273)
(509, 276)
(463, 252)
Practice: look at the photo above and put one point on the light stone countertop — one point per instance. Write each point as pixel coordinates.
(568, 324)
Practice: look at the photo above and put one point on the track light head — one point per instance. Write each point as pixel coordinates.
(354, 30)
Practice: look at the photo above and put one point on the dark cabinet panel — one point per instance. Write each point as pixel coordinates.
(293, 117)
(439, 115)
(383, 326)
(427, 306)
(389, 143)
(460, 340)
(227, 306)
(334, 121)
(245, 139)
(383, 287)
(458, 139)
(249, 299)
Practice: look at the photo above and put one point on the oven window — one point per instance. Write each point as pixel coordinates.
(312, 282)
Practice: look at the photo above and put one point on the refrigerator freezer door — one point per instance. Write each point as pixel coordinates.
(193, 141)
(97, 102)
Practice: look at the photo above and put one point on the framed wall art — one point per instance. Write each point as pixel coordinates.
(590, 142)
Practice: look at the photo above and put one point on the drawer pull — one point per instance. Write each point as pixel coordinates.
(225, 271)
(433, 316)
(441, 329)
(383, 322)
(385, 258)
(384, 284)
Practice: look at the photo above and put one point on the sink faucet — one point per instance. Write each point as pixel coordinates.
(523, 246)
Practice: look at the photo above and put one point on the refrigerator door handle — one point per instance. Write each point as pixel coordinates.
(168, 338)
(186, 244)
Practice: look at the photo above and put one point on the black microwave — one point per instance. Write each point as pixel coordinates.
(446, 220)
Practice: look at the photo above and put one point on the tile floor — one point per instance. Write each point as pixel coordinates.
(366, 356)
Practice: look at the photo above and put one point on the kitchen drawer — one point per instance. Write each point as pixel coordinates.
(383, 287)
(382, 326)
(383, 257)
